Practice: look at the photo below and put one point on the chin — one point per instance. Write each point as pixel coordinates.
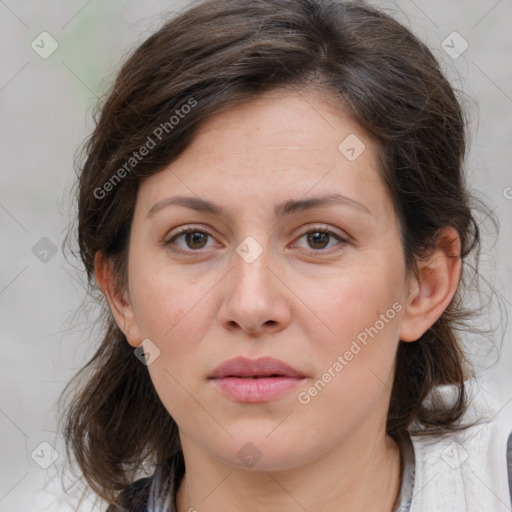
(264, 454)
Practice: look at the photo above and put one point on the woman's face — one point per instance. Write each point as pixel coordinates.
(275, 269)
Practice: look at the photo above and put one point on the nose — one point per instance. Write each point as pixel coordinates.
(255, 298)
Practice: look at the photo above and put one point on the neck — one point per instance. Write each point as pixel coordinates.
(351, 477)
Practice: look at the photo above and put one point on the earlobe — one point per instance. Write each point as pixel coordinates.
(434, 287)
(118, 300)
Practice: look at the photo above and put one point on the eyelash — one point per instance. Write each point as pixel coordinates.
(315, 229)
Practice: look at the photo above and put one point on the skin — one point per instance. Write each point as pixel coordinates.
(299, 302)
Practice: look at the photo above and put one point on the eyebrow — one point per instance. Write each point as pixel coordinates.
(285, 208)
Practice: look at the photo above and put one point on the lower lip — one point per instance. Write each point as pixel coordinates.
(255, 390)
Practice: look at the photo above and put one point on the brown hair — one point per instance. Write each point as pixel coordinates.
(219, 53)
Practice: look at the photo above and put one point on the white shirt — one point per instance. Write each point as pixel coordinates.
(465, 471)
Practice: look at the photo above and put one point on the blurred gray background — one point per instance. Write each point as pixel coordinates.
(46, 100)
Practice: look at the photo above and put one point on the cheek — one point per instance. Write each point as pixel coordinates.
(356, 354)
(169, 303)
(355, 301)
(171, 318)
(356, 363)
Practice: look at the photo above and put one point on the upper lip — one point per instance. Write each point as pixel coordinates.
(262, 367)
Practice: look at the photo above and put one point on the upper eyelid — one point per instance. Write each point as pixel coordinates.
(307, 229)
(322, 227)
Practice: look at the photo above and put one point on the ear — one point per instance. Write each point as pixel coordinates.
(431, 292)
(118, 301)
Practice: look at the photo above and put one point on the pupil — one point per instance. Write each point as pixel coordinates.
(195, 238)
(316, 238)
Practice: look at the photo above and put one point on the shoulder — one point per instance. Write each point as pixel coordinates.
(133, 498)
(466, 470)
(157, 491)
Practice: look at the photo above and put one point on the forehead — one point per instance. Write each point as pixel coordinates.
(280, 145)
(308, 120)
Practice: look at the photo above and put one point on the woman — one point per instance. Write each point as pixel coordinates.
(273, 204)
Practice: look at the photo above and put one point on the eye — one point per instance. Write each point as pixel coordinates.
(319, 238)
(194, 239)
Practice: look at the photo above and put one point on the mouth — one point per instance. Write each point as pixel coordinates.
(252, 381)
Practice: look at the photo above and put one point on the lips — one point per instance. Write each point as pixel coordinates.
(253, 381)
(243, 367)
